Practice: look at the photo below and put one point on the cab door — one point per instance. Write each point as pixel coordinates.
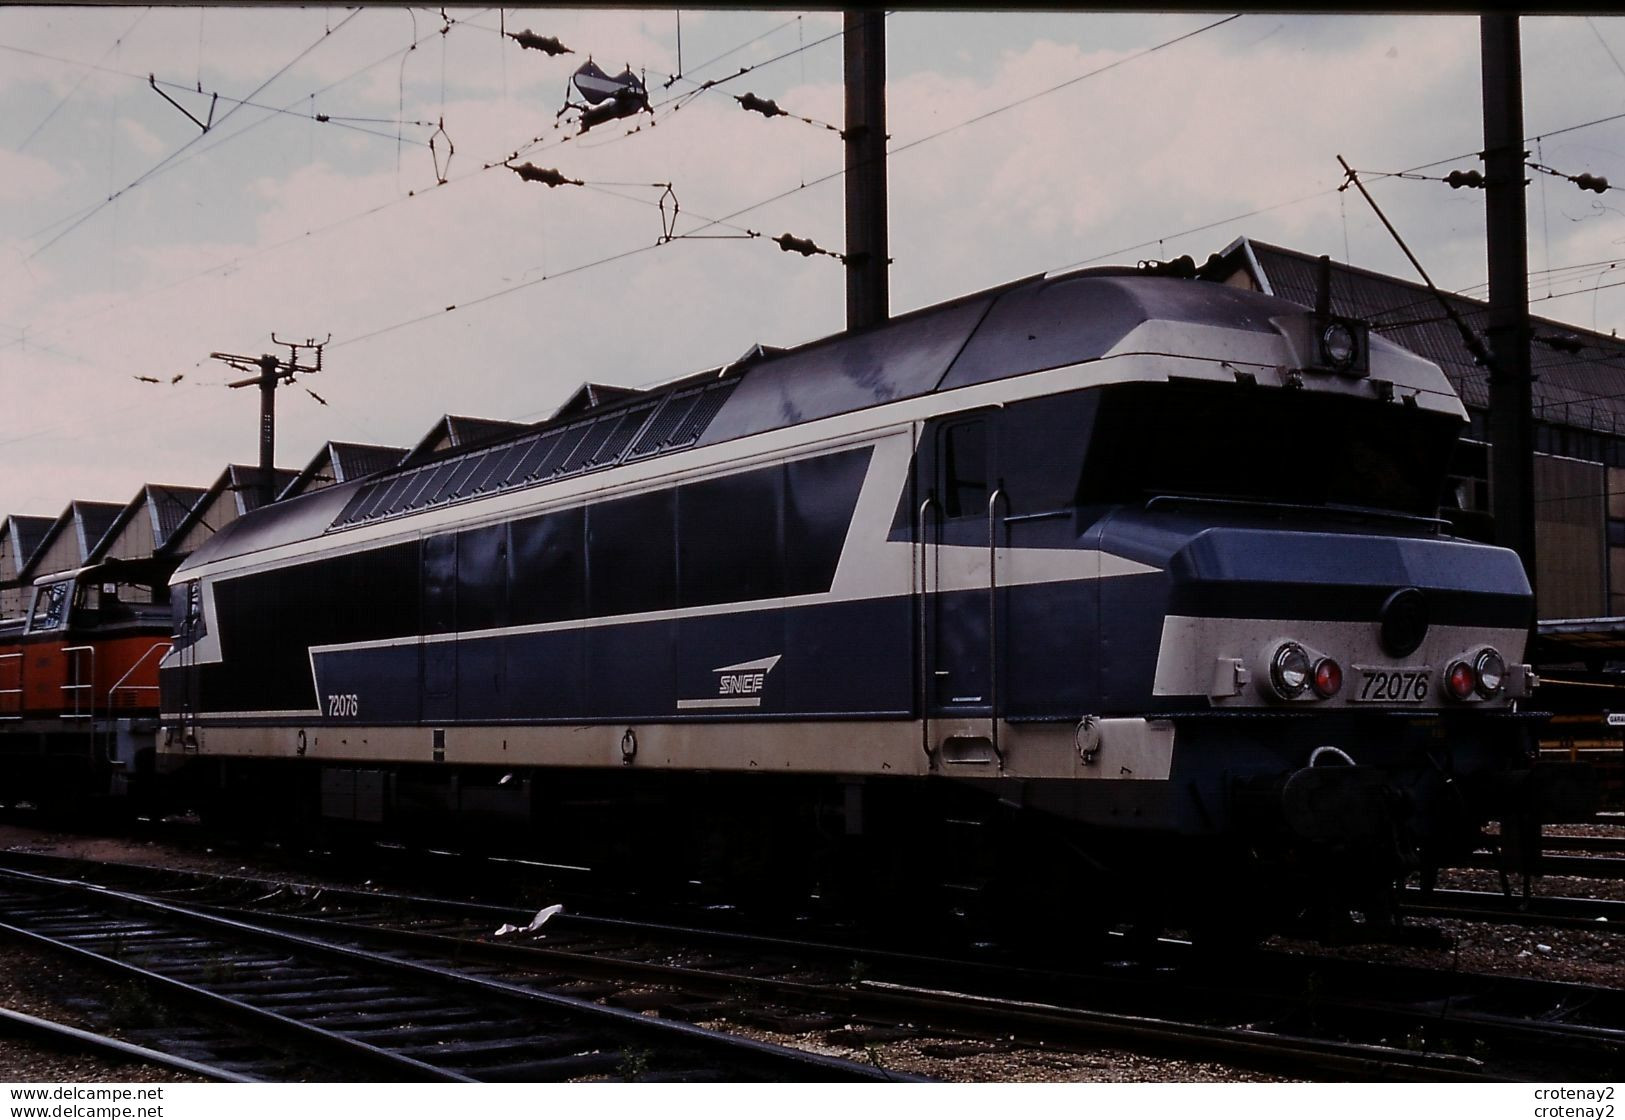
(957, 526)
(438, 646)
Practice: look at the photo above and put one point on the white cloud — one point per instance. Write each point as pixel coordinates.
(302, 228)
(26, 179)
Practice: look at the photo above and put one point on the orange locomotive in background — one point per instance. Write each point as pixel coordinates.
(79, 686)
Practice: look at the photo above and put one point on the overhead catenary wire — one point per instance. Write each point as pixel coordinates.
(1585, 180)
(241, 132)
(918, 141)
(169, 159)
(340, 120)
(706, 86)
(38, 128)
(729, 52)
(1072, 81)
(770, 108)
(84, 215)
(765, 202)
(670, 105)
(726, 218)
(590, 264)
(238, 261)
(1475, 179)
(1320, 193)
(1553, 275)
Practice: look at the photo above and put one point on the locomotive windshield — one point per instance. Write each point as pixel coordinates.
(1257, 444)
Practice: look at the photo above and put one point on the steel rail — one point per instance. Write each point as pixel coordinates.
(225, 1006)
(1358, 976)
(60, 1036)
(1558, 842)
(1280, 970)
(1579, 867)
(803, 1063)
(957, 1009)
(1596, 914)
(948, 1010)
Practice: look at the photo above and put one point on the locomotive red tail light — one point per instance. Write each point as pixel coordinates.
(1328, 678)
(1491, 672)
(1460, 681)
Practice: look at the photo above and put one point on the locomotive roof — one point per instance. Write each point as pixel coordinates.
(1576, 371)
(1038, 323)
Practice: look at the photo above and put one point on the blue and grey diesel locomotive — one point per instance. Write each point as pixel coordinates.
(1125, 578)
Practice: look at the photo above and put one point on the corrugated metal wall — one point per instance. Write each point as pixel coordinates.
(1570, 541)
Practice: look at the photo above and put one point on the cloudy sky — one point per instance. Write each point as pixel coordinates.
(133, 243)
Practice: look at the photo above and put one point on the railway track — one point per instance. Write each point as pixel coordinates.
(1583, 857)
(1538, 910)
(366, 1014)
(1273, 1010)
(62, 1036)
(1577, 866)
(1596, 845)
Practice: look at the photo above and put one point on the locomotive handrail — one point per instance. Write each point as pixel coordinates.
(1040, 515)
(18, 691)
(112, 737)
(76, 689)
(165, 646)
(925, 610)
(993, 501)
(1367, 512)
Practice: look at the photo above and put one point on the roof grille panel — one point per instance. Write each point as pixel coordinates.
(385, 498)
(700, 416)
(463, 481)
(615, 446)
(631, 432)
(592, 441)
(563, 449)
(523, 470)
(432, 477)
(494, 469)
(352, 509)
(659, 431)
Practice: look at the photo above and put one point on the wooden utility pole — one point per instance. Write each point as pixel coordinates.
(868, 301)
(1512, 469)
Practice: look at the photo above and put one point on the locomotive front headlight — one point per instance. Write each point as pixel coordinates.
(1328, 679)
(1460, 681)
(1290, 670)
(1491, 672)
(1338, 345)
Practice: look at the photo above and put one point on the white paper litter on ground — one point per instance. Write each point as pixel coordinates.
(536, 923)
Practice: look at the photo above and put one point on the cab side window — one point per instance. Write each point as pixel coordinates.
(964, 466)
(50, 607)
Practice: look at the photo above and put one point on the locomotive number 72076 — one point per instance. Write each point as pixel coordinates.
(1393, 686)
(343, 705)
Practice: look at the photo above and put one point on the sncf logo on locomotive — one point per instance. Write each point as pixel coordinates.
(738, 686)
